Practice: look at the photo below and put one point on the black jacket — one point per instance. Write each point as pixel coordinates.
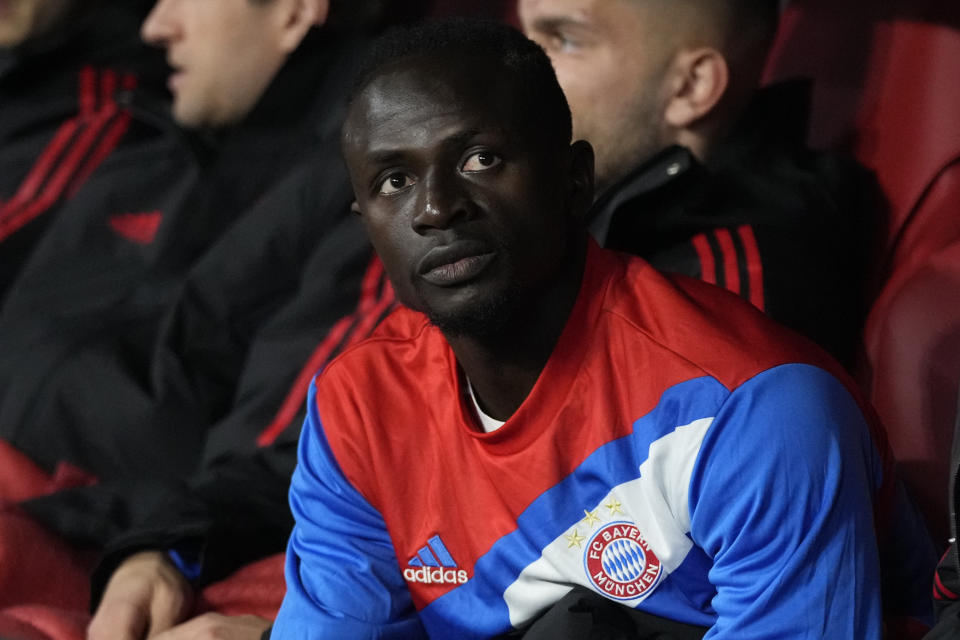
(124, 358)
(72, 113)
(946, 582)
(787, 228)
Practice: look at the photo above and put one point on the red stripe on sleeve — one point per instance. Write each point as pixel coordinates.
(65, 171)
(731, 266)
(107, 144)
(112, 137)
(88, 92)
(754, 264)
(26, 205)
(41, 168)
(950, 595)
(708, 267)
(369, 309)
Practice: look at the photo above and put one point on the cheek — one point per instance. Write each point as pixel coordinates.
(393, 251)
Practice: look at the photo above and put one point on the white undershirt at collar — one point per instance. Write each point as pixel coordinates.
(488, 423)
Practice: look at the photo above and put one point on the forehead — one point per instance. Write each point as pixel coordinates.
(587, 12)
(427, 98)
(628, 22)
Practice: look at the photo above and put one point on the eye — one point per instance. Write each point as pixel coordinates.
(562, 43)
(558, 41)
(480, 161)
(395, 182)
(567, 45)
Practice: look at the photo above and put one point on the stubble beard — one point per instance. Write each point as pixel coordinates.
(485, 319)
(630, 143)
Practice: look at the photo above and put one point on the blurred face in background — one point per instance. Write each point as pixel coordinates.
(224, 53)
(21, 20)
(611, 58)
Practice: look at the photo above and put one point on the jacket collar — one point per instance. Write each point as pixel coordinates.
(775, 118)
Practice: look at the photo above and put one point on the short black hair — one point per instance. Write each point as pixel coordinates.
(525, 64)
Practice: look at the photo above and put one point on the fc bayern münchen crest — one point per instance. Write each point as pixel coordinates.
(620, 563)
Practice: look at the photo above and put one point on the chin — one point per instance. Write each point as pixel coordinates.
(476, 318)
(185, 116)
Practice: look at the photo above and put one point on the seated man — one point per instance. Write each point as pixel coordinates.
(133, 356)
(699, 172)
(547, 414)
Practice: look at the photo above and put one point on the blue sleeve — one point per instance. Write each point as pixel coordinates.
(343, 580)
(781, 500)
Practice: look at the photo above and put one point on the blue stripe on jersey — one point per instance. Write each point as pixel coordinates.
(342, 578)
(556, 509)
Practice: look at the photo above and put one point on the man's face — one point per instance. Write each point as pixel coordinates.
(468, 215)
(224, 53)
(21, 20)
(610, 57)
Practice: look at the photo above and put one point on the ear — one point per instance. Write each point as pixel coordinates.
(298, 18)
(581, 179)
(698, 80)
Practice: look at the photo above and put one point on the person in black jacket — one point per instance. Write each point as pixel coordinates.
(119, 328)
(701, 173)
(77, 92)
(152, 347)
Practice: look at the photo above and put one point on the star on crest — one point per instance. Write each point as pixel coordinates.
(591, 517)
(614, 506)
(575, 539)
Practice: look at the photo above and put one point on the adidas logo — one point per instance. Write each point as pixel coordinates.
(434, 565)
(140, 228)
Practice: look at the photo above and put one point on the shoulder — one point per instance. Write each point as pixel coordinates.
(712, 329)
(397, 348)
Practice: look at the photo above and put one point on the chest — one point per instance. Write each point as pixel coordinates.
(505, 536)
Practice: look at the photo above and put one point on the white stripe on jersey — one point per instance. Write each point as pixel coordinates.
(656, 502)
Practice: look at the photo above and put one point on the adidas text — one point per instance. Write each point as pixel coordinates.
(426, 575)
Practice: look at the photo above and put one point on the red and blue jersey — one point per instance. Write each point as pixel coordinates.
(678, 454)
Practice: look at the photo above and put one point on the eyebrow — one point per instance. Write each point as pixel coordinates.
(460, 139)
(393, 156)
(555, 23)
(385, 157)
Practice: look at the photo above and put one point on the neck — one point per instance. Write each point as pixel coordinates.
(504, 366)
(698, 144)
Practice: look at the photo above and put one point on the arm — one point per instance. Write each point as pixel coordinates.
(781, 500)
(343, 579)
(234, 508)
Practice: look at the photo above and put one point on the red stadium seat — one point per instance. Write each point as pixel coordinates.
(887, 89)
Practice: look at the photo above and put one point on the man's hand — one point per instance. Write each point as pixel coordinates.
(213, 626)
(145, 596)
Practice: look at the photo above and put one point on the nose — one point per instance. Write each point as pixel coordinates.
(444, 201)
(160, 26)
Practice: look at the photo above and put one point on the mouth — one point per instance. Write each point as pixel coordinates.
(455, 264)
(175, 79)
